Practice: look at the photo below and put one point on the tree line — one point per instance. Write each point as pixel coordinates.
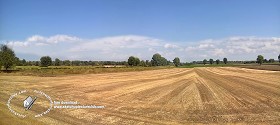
(260, 60)
(211, 61)
(8, 59)
(157, 60)
(48, 61)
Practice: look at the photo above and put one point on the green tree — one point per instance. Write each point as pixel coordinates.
(7, 57)
(29, 63)
(143, 63)
(17, 61)
(158, 60)
(57, 62)
(67, 62)
(204, 61)
(148, 63)
(23, 61)
(225, 60)
(217, 61)
(164, 61)
(46, 61)
(260, 59)
(37, 63)
(176, 61)
(130, 60)
(271, 60)
(133, 61)
(279, 58)
(211, 61)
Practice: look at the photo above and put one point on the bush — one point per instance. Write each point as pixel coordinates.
(133, 61)
(46, 61)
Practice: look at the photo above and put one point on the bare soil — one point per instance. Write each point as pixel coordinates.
(168, 96)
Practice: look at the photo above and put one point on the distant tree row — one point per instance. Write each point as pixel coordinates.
(8, 59)
(157, 60)
(47, 61)
(260, 60)
(211, 61)
(58, 62)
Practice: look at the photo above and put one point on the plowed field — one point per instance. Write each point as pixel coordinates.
(167, 96)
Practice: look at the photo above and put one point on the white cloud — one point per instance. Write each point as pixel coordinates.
(172, 46)
(121, 47)
(255, 44)
(118, 47)
(61, 38)
(117, 42)
(40, 40)
(152, 50)
(219, 52)
(41, 44)
(35, 38)
(237, 47)
(206, 44)
(17, 43)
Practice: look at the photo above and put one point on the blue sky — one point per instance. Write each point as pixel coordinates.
(173, 24)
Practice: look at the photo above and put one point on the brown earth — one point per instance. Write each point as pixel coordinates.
(167, 96)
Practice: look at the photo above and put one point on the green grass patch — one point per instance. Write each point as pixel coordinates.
(66, 70)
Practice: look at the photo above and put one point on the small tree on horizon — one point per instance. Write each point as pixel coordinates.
(46, 61)
(279, 58)
(217, 61)
(23, 61)
(260, 59)
(158, 60)
(271, 60)
(7, 57)
(176, 61)
(204, 61)
(225, 60)
(211, 61)
(265, 61)
(133, 61)
(57, 62)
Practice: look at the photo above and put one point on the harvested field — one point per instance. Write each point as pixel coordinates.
(167, 96)
(275, 67)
